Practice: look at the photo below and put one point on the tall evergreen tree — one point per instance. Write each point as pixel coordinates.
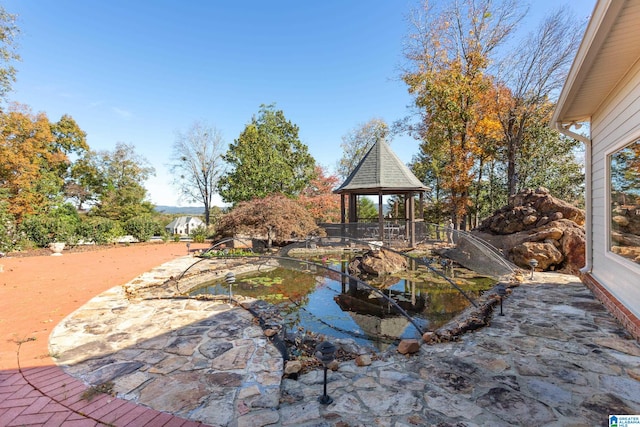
(267, 158)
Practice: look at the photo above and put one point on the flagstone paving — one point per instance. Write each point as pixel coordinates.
(555, 358)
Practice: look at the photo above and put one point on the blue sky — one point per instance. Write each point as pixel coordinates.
(139, 71)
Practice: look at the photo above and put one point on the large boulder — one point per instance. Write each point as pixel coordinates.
(545, 253)
(377, 262)
(536, 225)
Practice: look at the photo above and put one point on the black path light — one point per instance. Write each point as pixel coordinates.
(188, 248)
(325, 353)
(533, 263)
(230, 278)
(502, 291)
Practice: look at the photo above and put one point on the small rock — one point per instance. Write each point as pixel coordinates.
(408, 346)
(556, 216)
(333, 365)
(620, 220)
(363, 360)
(258, 418)
(428, 337)
(270, 332)
(247, 304)
(292, 367)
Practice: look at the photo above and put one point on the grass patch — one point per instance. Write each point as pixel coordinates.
(93, 391)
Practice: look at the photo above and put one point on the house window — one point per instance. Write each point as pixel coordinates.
(624, 236)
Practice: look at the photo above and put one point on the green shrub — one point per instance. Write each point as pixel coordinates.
(58, 226)
(8, 234)
(142, 227)
(99, 230)
(199, 234)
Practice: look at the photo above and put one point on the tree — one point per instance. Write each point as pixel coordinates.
(367, 209)
(8, 52)
(533, 72)
(427, 167)
(122, 173)
(34, 161)
(7, 223)
(197, 164)
(358, 142)
(276, 217)
(267, 158)
(69, 138)
(84, 183)
(450, 53)
(547, 158)
(625, 174)
(318, 198)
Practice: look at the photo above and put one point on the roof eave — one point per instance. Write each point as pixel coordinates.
(602, 19)
(381, 190)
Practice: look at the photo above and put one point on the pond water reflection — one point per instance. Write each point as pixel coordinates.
(329, 302)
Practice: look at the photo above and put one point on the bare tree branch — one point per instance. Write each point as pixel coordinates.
(197, 164)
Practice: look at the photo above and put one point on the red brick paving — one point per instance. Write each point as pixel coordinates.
(35, 294)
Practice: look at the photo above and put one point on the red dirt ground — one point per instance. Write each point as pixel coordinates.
(37, 292)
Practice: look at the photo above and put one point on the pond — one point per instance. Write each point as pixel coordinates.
(323, 299)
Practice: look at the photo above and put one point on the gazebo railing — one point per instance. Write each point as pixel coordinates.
(461, 246)
(394, 230)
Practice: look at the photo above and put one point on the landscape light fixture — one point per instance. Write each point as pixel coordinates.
(188, 248)
(325, 353)
(533, 263)
(230, 278)
(502, 291)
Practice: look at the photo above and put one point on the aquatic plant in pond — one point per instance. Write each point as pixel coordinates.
(328, 302)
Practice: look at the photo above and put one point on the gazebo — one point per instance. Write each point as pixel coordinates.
(380, 173)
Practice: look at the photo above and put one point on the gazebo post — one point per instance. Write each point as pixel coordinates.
(380, 217)
(342, 216)
(353, 214)
(412, 221)
(407, 216)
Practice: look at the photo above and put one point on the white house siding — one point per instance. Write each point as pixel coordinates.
(616, 124)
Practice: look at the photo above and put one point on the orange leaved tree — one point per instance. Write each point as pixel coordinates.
(274, 218)
(34, 158)
(318, 198)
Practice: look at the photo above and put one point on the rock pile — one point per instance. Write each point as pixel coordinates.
(625, 233)
(377, 262)
(536, 225)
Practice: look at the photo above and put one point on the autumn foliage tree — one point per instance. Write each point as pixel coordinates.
(483, 110)
(449, 55)
(318, 198)
(530, 76)
(35, 159)
(276, 217)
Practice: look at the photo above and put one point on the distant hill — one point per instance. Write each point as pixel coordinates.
(183, 210)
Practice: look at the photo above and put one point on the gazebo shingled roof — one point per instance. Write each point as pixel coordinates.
(381, 172)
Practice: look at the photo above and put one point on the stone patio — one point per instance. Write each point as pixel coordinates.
(555, 358)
